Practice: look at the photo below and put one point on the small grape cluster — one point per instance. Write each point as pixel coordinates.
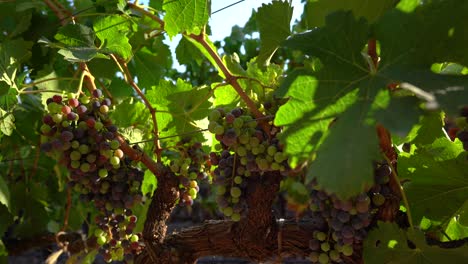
(462, 123)
(245, 151)
(81, 136)
(190, 165)
(347, 221)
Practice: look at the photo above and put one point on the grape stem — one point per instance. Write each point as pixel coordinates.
(129, 79)
(402, 192)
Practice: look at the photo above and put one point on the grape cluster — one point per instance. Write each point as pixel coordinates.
(80, 135)
(347, 221)
(190, 165)
(245, 150)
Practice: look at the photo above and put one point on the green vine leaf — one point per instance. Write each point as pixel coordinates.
(446, 179)
(179, 106)
(189, 16)
(112, 31)
(274, 26)
(388, 244)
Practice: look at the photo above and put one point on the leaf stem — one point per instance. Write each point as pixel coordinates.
(146, 13)
(129, 79)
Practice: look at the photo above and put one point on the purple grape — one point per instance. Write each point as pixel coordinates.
(97, 93)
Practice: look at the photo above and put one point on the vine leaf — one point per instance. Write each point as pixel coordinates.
(112, 30)
(151, 63)
(185, 16)
(76, 43)
(344, 160)
(436, 172)
(274, 26)
(316, 11)
(389, 244)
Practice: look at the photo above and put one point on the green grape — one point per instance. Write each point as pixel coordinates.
(212, 126)
(275, 166)
(103, 173)
(101, 240)
(221, 190)
(193, 175)
(193, 184)
(378, 199)
(85, 167)
(75, 155)
(65, 123)
(45, 128)
(134, 238)
(219, 130)
(235, 216)
(325, 246)
(321, 236)
(238, 123)
(114, 144)
(323, 258)
(228, 211)
(347, 250)
(57, 118)
(84, 99)
(238, 180)
(244, 139)
(236, 192)
(241, 151)
(75, 144)
(334, 255)
(262, 164)
(271, 150)
(75, 164)
(192, 192)
(83, 149)
(114, 161)
(215, 115)
(253, 141)
(280, 157)
(99, 125)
